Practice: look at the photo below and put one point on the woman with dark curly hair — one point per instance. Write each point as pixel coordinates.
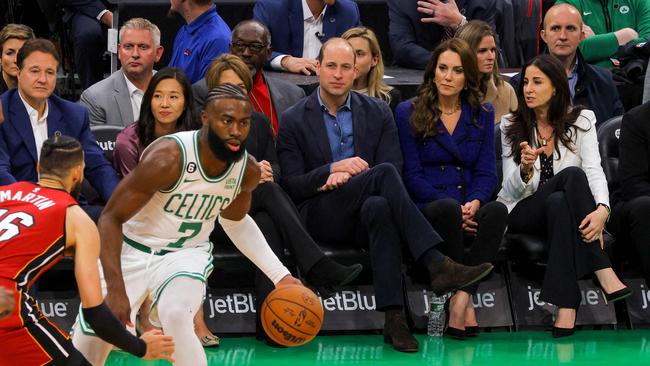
(554, 187)
(166, 108)
(447, 136)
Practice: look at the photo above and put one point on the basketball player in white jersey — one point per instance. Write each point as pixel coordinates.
(155, 227)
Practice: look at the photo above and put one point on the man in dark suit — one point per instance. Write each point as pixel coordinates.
(414, 31)
(340, 160)
(300, 27)
(33, 114)
(630, 218)
(251, 41)
(88, 21)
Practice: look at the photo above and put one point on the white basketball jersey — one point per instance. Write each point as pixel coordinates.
(184, 216)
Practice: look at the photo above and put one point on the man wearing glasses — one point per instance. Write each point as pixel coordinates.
(251, 41)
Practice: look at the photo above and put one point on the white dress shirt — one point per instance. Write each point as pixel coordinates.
(39, 125)
(311, 44)
(135, 95)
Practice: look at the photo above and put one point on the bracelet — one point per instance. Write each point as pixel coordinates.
(462, 22)
(606, 208)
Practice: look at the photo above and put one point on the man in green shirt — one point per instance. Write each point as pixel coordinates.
(609, 25)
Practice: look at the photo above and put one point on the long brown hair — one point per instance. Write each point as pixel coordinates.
(426, 112)
(473, 33)
(561, 116)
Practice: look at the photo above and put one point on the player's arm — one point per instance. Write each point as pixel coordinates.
(245, 233)
(159, 168)
(82, 234)
(7, 302)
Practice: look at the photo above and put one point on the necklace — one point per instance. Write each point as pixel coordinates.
(454, 110)
(543, 141)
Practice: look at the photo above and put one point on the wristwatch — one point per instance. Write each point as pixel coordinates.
(462, 22)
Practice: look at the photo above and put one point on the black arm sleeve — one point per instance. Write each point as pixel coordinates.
(108, 328)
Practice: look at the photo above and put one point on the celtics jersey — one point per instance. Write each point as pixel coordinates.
(184, 216)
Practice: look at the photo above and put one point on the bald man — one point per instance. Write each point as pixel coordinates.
(591, 86)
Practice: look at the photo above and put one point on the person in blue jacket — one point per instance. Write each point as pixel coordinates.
(447, 139)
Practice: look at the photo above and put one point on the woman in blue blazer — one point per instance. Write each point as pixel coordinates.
(447, 139)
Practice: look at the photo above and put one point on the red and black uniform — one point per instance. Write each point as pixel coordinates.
(32, 239)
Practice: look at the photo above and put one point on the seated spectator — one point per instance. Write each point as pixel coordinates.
(33, 114)
(116, 100)
(271, 208)
(417, 27)
(201, 40)
(88, 21)
(251, 41)
(554, 186)
(370, 67)
(166, 109)
(12, 38)
(296, 43)
(608, 27)
(447, 126)
(481, 37)
(589, 85)
(340, 159)
(630, 219)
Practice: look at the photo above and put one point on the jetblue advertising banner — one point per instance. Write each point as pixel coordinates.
(639, 303)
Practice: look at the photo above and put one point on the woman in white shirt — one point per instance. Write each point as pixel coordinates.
(554, 186)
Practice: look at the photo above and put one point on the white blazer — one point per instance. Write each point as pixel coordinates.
(586, 156)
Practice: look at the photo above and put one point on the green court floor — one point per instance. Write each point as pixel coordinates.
(591, 348)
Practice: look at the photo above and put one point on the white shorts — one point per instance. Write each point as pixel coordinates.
(147, 275)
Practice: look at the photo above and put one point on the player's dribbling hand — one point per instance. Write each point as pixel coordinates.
(159, 346)
(119, 305)
(288, 280)
(6, 302)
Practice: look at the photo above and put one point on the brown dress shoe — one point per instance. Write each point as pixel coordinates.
(397, 333)
(448, 275)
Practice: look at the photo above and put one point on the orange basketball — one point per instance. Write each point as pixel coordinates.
(292, 315)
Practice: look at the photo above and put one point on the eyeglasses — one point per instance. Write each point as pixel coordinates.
(254, 47)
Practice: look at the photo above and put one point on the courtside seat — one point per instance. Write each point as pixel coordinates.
(608, 135)
(106, 136)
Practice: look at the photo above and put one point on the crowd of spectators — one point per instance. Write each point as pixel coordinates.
(408, 179)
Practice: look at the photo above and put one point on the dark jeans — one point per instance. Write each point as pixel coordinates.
(279, 221)
(89, 43)
(554, 211)
(630, 222)
(377, 203)
(445, 216)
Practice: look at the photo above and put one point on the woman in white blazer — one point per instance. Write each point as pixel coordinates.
(554, 186)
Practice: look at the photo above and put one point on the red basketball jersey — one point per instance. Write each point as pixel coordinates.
(32, 239)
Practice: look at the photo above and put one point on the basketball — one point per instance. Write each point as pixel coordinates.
(292, 315)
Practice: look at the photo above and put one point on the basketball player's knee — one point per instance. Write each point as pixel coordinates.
(175, 315)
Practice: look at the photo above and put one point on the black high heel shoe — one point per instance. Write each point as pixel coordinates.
(563, 332)
(472, 331)
(616, 295)
(450, 331)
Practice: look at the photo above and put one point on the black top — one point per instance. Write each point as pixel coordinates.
(546, 163)
(3, 85)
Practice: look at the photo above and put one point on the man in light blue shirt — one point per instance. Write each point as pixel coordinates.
(204, 37)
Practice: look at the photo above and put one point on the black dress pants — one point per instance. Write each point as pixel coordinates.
(376, 202)
(630, 221)
(89, 44)
(554, 211)
(279, 220)
(446, 217)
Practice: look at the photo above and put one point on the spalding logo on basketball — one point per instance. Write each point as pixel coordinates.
(292, 315)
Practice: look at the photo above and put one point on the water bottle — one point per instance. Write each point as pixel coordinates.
(437, 317)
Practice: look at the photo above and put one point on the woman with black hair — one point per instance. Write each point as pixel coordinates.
(166, 108)
(554, 186)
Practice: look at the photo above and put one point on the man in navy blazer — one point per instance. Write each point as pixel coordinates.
(340, 160)
(414, 31)
(295, 24)
(33, 113)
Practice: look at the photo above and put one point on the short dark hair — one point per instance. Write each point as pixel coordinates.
(36, 45)
(59, 154)
(226, 91)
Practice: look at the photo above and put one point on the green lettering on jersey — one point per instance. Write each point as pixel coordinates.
(192, 228)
